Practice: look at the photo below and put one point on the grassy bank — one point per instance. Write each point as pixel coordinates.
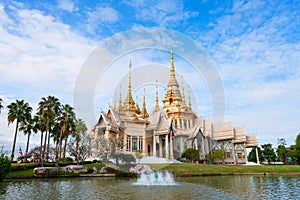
(25, 170)
(187, 169)
(196, 169)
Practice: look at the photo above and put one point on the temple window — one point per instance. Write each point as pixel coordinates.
(128, 143)
(228, 154)
(140, 146)
(134, 143)
(240, 155)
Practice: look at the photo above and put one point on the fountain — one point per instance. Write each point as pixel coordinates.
(156, 178)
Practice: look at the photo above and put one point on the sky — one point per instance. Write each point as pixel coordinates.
(252, 47)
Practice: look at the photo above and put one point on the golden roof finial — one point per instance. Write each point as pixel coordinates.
(184, 106)
(138, 111)
(144, 113)
(172, 68)
(190, 105)
(129, 103)
(156, 108)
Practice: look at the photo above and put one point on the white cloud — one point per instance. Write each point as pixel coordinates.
(102, 15)
(67, 5)
(40, 56)
(257, 55)
(164, 13)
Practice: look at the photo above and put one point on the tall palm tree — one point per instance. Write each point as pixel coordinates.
(41, 126)
(48, 110)
(28, 126)
(67, 126)
(19, 111)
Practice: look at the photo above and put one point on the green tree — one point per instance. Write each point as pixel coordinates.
(78, 146)
(28, 126)
(127, 158)
(252, 155)
(101, 144)
(48, 110)
(282, 153)
(21, 112)
(139, 155)
(41, 126)
(5, 166)
(191, 154)
(294, 152)
(67, 127)
(268, 153)
(217, 154)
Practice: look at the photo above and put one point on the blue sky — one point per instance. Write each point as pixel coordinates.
(254, 45)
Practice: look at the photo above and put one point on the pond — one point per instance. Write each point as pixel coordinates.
(206, 187)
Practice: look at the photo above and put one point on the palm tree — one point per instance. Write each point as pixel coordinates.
(40, 125)
(28, 126)
(19, 111)
(48, 110)
(67, 126)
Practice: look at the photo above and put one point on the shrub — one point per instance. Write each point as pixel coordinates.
(5, 166)
(68, 159)
(191, 154)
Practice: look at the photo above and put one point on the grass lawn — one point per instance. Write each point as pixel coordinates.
(198, 169)
(97, 165)
(21, 173)
(187, 169)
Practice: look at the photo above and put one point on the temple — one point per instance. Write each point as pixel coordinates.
(169, 130)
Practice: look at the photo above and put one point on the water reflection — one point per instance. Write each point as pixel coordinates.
(252, 187)
(210, 187)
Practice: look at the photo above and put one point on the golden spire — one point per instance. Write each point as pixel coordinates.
(172, 68)
(173, 99)
(190, 105)
(138, 111)
(183, 105)
(129, 103)
(144, 114)
(172, 80)
(156, 108)
(120, 107)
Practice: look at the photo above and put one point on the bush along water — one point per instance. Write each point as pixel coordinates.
(5, 166)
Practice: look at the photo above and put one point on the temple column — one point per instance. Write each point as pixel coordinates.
(257, 157)
(125, 143)
(171, 147)
(154, 144)
(160, 147)
(144, 145)
(167, 146)
(203, 147)
(196, 143)
(245, 152)
(233, 154)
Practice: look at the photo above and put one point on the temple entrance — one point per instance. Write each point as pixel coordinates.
(149, 150)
